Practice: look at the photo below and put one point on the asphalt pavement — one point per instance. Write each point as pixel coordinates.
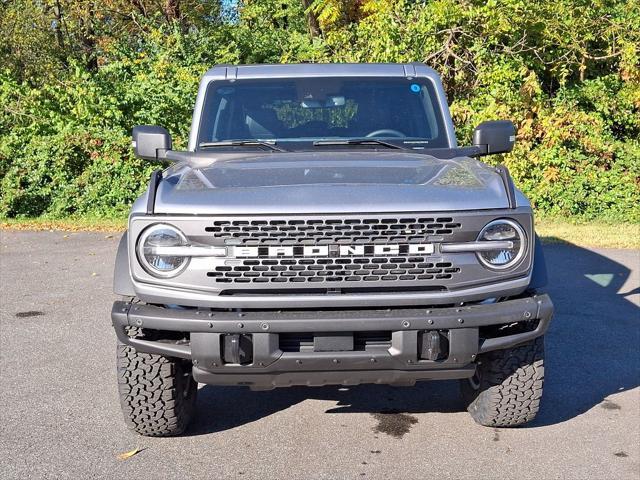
(60, 416)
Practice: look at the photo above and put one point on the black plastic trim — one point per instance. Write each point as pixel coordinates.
(509, 187)
(272, 367)
(268, 381)
(154, 182)
(126, 314)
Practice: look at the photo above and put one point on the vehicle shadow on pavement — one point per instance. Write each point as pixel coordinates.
(223, 408)
(592, 344)
(591, 353)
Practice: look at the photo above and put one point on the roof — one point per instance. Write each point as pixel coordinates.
(320, 70)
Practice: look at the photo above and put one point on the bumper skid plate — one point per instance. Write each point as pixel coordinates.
(397, 362)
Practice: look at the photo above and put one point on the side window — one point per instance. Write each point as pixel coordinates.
(212, 116)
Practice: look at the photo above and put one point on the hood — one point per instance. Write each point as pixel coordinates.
(327, 182)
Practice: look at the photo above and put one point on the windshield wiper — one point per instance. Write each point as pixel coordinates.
(357, 141)
(241, 143)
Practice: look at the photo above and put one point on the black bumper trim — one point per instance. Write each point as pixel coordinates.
(126, 314)
(194, 320)
(267, 381)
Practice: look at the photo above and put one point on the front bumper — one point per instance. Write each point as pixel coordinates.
(270, 366)
(159, 294)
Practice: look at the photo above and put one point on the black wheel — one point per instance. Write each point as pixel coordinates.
(157, 393)
(507, 386)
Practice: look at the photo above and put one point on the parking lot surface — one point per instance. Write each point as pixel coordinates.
(60, 416)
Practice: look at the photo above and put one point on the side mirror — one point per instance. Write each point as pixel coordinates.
(151, 142)
(494, 137)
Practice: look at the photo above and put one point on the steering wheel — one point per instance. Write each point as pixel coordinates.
(387, 132)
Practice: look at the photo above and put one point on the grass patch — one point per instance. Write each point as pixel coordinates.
(589, 234)
(586, 234)
(80, 224)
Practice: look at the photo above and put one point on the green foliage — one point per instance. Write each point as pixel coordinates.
(567, 72)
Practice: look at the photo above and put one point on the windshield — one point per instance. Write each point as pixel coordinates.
(302, 111)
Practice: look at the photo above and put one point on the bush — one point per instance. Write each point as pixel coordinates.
(568, 77)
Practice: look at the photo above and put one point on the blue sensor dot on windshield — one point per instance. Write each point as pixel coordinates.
(415, 87)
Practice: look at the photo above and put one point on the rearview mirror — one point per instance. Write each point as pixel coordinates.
(151, 142)
(330, 102)
(496, 136)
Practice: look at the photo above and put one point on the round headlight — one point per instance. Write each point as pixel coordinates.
(513, 244)
(150, 246)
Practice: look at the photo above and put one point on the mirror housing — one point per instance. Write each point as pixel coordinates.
(496, 136)
(151, 142)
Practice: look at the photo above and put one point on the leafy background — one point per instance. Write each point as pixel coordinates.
(77, 75)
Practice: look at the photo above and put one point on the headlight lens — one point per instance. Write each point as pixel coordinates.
(502, 230)
(161, 235)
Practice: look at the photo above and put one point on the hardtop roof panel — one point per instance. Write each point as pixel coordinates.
(317, 70)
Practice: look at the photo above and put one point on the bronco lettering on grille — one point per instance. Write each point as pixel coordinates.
(331, 250)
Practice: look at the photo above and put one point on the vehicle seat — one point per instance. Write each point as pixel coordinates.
(264, 123)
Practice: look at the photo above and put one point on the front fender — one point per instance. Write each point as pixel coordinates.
(122, 284)
(539, 274)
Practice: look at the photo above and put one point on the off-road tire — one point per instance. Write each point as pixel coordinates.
(157, 393)
(507, 388)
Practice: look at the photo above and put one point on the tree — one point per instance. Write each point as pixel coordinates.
(312, 19)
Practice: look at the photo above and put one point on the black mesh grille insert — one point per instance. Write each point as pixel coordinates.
(326, 231)
(362, 341)
(349, 270)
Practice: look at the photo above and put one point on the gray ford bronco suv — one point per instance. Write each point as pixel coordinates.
(325, 228)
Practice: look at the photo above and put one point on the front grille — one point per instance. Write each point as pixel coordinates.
(351, 270)
(326, 231)
(308, 260)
